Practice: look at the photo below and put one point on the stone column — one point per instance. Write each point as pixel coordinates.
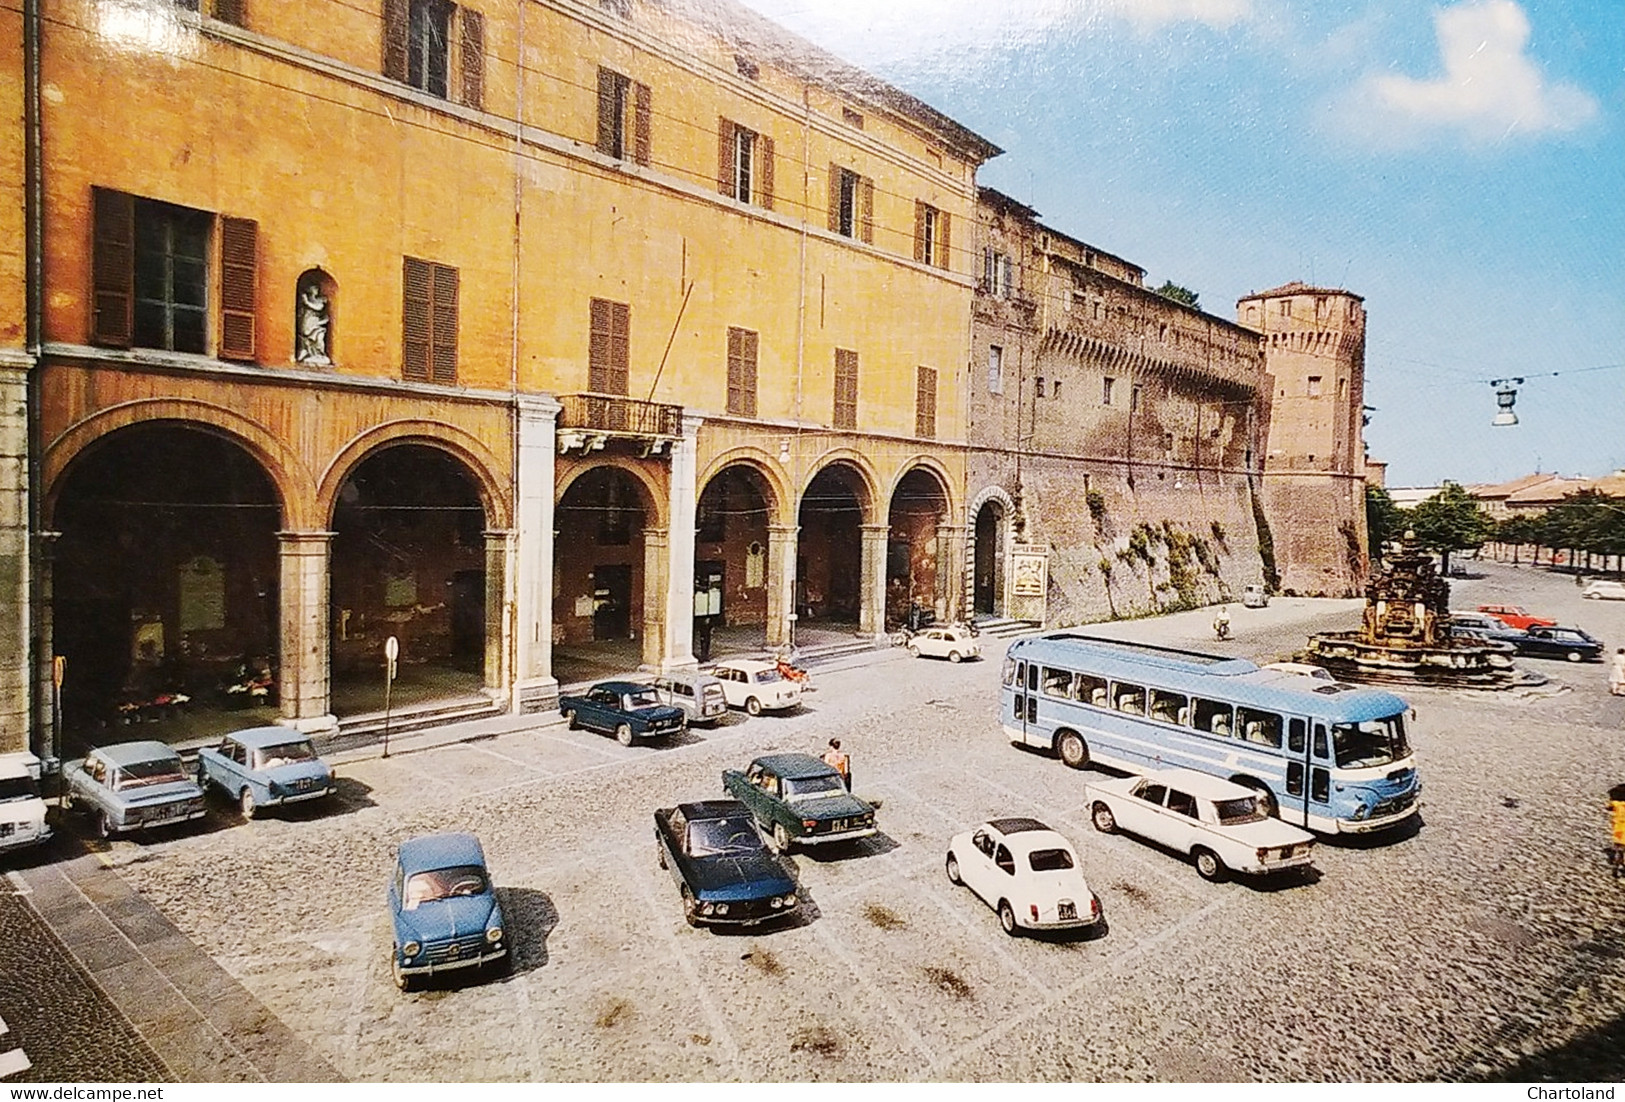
(16, 628)
(781, 582)
(534, 687)
(872, 586)
(47, 733)
(656, 558)
(967, 581)
(497, 635)
(306, 662)
(684, 504)
(950, 540)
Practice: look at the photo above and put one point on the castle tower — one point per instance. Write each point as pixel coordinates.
(1313, 471)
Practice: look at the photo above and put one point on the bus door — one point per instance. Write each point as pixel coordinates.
(1308, 780)
(1025, 699)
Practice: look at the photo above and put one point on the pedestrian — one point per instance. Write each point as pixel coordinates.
(840, 761)
(1616, 673)
(1616, 804)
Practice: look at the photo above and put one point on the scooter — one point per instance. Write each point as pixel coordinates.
(1221, 626)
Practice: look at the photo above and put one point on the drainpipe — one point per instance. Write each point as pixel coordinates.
(34, 298)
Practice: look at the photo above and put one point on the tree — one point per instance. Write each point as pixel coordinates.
(1518, 530)
(1449, 521)
(1185, 295)
(1384, 520)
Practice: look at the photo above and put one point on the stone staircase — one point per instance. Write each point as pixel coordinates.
(999, 627)
(362, 730)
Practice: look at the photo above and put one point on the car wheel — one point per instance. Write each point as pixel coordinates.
(402, 981)
(781, 838)
(623, 734)
(690, 912)
(1104, 820)
(104, 825)
(1007, 918)
(913, 651)
(955, 656)
(953, 870)
(660, 854)
(570, 719)
(753, 706)
(1208, 865)
(245, 800)
(1573, 656)
(1073, 750)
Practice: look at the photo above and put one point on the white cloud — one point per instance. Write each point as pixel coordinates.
(1490, 89)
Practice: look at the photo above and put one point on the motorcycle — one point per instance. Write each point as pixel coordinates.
(1221, 626)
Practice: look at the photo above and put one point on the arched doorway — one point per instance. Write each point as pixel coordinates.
(914, 551)
(408, 561)
(829, 566)
(165, 585)
(731, 552)
(989, 565)
(600, 566)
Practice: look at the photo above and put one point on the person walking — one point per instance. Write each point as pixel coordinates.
(1616, 673)
(840, 761)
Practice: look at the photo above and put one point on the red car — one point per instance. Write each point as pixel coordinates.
(1514, 616)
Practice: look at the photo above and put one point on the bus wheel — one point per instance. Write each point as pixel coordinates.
(1266, 798)
(1073, 750)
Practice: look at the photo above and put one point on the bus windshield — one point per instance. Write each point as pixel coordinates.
(1372, 743)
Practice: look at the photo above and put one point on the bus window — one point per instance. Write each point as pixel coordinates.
(1321, 750)
(1294, 777)
(1263, 728)
(1009, 671)
(1320, 785)
(1032, 709)
(1212, 717)
(1089, 689)
(1128, 698)
(1032, 678)
(1058, 682)
(1294, 736)
(1170, 707)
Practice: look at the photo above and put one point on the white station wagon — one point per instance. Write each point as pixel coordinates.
(756, 686)
(1214, 820)
(954, 644)
(1026, 872)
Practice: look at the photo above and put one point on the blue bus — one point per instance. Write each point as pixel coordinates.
(1322, 754)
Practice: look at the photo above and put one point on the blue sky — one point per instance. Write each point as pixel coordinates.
(1460, 165)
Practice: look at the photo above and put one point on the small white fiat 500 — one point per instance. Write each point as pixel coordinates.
(1026, 872)
(954, 644)
(756, 686)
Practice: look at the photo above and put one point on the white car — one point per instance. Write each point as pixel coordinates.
(1214, 820)
(1319, 673)
(756, 686)
(1026, 872)
(954, 644)
(22, 812)
(1604, 591)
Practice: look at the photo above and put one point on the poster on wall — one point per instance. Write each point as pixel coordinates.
(1030, 574)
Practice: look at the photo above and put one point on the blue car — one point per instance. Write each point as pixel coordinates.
(264, 767)
(132, 786)
(624, 709)
(445, 911)
(724, 873)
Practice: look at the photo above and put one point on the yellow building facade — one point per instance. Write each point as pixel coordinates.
(494, 327)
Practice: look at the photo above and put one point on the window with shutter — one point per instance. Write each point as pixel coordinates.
(171, 283)
(642, 123)
(112, 267)
(612, 96)
(471, 56)
(239, 252)
(925, 403)
(922, 233)
(443, 339)
(742, 344)
(744, 182)
(846, 389)
(428, 50)
(608, 346)
(765, 171)
(429, 307)
(725, 157)
(866, 210)
(942, 252)
(396, 23)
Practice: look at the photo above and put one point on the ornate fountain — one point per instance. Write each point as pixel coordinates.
(1405, 635)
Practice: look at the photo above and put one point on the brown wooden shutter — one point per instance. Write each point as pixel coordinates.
(919, 231)
(229, 11)
(942, 255)
(764, 154)
(443, 338)
(866, 210)
(607, 83)
(416, 298)
(925, 403)
(112, 267)
(834, 198)
(846, 389)
(471, 24)
(748, 379)
(598, 342)
(725, 157)
(620, 357)
(395, 33)
(742, 345)
(642, 123)
(239, 260)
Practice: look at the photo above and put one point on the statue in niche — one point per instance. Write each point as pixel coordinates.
(313, 321)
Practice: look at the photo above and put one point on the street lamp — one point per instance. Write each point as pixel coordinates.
(1506, 393)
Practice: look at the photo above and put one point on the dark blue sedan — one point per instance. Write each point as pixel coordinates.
(624, 709)
(445, 911)
(725, 874)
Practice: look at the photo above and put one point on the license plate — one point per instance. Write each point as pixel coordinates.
(1068, 910)
(840, 825)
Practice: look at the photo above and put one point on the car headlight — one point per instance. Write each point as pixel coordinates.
(494, 934)
(411, 949)
(706, 908)
(1361, 812)
(722, 908)
(775, 902)
(790, 900)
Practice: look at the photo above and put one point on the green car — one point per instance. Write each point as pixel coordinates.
(796, 798)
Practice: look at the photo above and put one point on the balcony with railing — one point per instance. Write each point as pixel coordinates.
(612, 415)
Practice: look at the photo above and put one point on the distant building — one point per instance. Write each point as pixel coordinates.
(1532, 493)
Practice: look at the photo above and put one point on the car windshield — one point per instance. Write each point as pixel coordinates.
(287, 753)
(1242, 809)
(643, 698)
(714, 837)
(813, 788)
(17, 788)
(427, 887)
(1049, 860)
(1372, 743)
(143, 773)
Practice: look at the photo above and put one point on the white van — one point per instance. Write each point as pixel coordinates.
(22, 812)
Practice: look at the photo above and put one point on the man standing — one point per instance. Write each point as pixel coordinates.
(838, 760)
(1616, 673)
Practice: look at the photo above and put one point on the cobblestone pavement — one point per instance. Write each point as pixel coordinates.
(1483, 945)
(55, 1024)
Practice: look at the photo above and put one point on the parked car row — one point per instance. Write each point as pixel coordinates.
(1541, 639)
(632, 710)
